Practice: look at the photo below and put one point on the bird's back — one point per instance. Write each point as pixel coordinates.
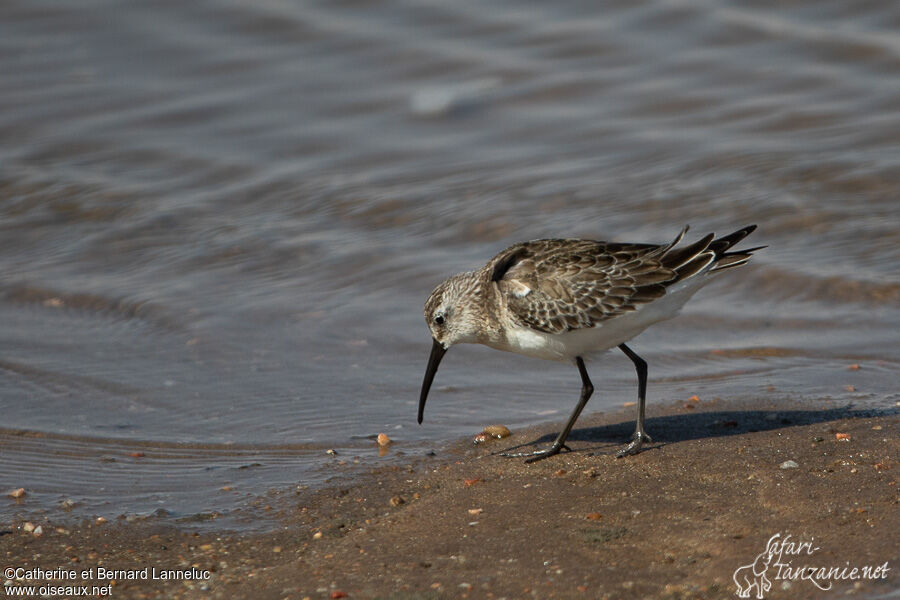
(554, 286)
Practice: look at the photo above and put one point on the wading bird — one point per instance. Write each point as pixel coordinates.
(562, 299)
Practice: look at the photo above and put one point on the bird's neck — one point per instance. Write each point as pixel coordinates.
(491, 326)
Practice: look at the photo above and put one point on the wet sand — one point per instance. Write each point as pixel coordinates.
(674, 522)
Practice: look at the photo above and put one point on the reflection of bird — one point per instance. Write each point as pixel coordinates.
(561, 299)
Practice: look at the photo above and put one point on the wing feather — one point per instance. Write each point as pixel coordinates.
(557, 285)
(575, 284)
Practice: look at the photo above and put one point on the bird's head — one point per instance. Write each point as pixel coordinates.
(452, 315)
(452, 311)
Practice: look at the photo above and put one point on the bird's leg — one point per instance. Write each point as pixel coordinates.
(640, 436)
(587, 388)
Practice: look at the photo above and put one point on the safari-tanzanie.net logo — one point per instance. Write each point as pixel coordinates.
(785, 560)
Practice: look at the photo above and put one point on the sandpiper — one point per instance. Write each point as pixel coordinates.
(563, 299)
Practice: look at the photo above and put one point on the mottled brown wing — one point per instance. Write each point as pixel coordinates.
(559, 285)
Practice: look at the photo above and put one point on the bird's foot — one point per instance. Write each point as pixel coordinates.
(537, 455)
(637, 440)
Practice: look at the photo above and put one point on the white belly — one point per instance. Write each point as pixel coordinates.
(603, 336)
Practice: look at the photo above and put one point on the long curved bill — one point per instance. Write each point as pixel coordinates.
(437, 353)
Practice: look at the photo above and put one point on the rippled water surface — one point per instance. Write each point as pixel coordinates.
(219, 221)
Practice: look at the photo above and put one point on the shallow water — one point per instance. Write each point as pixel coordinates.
(219, 221)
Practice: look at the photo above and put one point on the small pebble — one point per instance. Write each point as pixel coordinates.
(629, 404)
(475, 511)
(854, 470)
(136, 454)
(789, 464)
(497, 431)
(18, 493)
(384, 440)
(338, 594)
(694, 398)
(397, 501)
(331, 452)
(560, 472)
(853, 367)
(593, 516)
(276, 549)
(842, 437)
(100, 520)
(473, 481)
(28, 527)
(317, 535)
(876, 428)
(480, 438)
(38, 531)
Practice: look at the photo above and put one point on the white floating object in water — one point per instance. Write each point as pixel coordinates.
(444, 100)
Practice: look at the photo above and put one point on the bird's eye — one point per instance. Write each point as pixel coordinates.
(439, 319)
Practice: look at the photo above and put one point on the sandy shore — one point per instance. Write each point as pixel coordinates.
(676, 521)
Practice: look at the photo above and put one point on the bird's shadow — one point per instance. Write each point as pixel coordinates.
(670, 429)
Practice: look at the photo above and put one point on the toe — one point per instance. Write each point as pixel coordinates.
(629, 450)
